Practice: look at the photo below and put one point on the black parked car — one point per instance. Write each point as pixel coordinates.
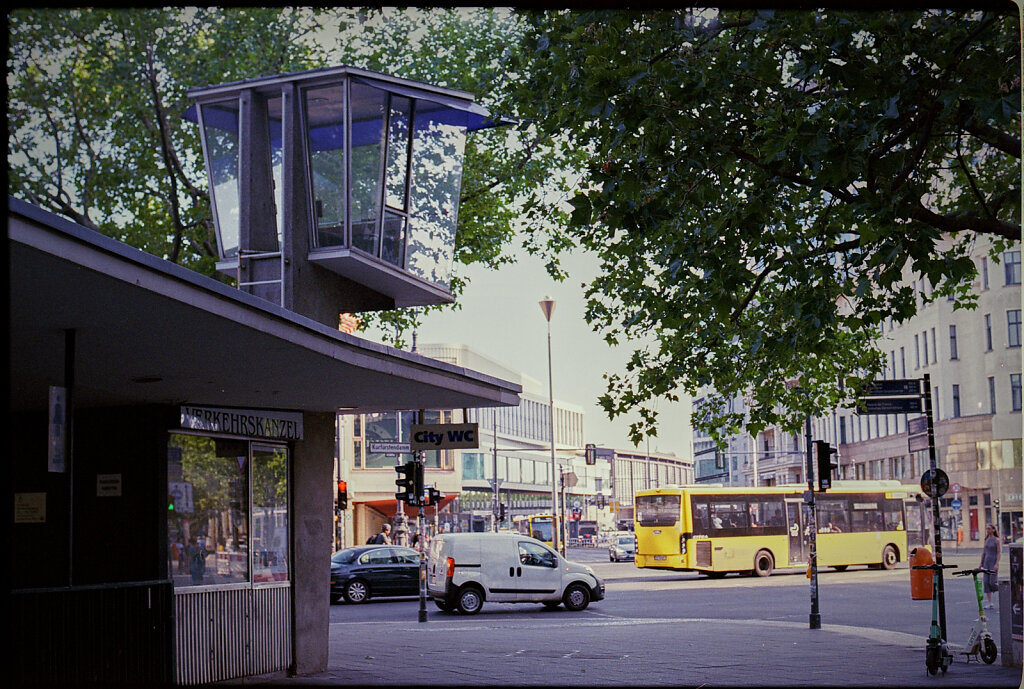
(374, 570)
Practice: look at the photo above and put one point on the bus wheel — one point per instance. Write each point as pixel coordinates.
(840, 568)
(764, 563)
(889, 557)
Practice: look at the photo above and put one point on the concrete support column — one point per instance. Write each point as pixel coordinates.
(312, 511)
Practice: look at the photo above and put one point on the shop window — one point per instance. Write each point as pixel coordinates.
(219, 530)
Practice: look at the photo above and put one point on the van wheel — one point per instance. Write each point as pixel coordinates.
(576, 597)
(442, 605)
(889, 557)
(470, 600)
(764, 563)
(552, 604)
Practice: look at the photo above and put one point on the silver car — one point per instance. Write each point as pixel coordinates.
(622, 548)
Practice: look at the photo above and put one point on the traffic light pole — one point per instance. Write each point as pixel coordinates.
(815, 617)
(940, 593)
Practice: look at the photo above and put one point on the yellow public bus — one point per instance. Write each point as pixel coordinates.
(539, 526)
(717, 530)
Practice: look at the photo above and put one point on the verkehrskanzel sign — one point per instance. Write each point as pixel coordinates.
(255, 423)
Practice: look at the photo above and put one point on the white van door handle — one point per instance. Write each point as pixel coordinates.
(519, 571)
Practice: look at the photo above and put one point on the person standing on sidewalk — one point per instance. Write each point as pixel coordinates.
(990, 560)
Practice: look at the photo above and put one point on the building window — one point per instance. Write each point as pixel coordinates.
(917, 351)
(903, 363)
(992, 394)
(956, 401)
(924, 341)
(1011, 264)
(952, 342)
(984, 273)
(935, 396)
(935, 348)
(1015, 391)
(1013, 327)
(988, 332)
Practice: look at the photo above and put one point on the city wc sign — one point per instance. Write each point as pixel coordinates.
(444, 436)
(252, 423)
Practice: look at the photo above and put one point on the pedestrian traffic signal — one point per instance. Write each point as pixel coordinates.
(501, 512)
(823, 453)
(590, 454)
(342, 495)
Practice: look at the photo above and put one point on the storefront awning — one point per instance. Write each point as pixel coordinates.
(389, 508)
(148, 331)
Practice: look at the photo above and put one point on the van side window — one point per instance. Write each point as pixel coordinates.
(536, 556)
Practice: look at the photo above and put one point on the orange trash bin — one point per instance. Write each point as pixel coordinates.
(921, 579)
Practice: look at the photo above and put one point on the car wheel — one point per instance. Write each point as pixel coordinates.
(764, 563)
(470, 600)
(356, 591)
(576, 597)
(889, 558)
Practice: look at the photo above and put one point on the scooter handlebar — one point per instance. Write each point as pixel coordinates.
(976, 570)
(935, 566)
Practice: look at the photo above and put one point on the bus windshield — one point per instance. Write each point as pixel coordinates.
(541, 528)
(657, 510)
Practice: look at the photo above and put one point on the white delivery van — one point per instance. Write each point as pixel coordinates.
(465, 569)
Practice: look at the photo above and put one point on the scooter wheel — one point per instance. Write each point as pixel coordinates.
(988, 651)
(931, 660)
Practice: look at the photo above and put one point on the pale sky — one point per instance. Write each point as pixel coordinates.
(501, 319)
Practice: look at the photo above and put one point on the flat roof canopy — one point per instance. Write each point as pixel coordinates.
(148, 331)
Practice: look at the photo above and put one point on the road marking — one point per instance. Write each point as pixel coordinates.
(883, 636)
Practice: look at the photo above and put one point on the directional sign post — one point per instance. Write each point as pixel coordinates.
(891, 405)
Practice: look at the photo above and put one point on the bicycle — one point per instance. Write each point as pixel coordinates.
(937, 656)
(980, 642)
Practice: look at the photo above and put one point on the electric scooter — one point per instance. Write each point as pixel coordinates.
(937, 656)
(980, 642)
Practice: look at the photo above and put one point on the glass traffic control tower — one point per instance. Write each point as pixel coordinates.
(337, 189)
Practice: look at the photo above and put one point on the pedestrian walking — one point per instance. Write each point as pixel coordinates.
(990, 560)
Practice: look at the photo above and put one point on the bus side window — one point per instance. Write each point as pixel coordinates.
(700, 516)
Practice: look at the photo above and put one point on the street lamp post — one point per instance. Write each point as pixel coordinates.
(547, 306)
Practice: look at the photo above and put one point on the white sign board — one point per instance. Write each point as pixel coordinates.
(253, 423)
(29, 508)
(58, 416)
(108, 485)
(388, 447)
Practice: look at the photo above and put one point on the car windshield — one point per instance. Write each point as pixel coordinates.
(625, 540)
(344, 557)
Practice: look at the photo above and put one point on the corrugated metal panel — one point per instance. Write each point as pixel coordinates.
(225, 634)
(105, 634)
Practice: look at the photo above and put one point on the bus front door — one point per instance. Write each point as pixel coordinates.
(798, 546)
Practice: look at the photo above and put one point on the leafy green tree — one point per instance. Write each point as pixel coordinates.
(95, 105)
(96, 99)
(759, 181)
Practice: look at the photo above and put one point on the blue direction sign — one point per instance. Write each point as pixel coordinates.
(956, 503)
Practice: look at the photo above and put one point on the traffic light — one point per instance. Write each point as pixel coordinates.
(719, 459)
(501, 512)
(432, 497)
(995, 503)
(591, 454)
(823, 454)
(600, 500)
(417, 479)
(406, 483)
(342, 495)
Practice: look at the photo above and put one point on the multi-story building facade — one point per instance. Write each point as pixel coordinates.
(514, 448)
(972, 358)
